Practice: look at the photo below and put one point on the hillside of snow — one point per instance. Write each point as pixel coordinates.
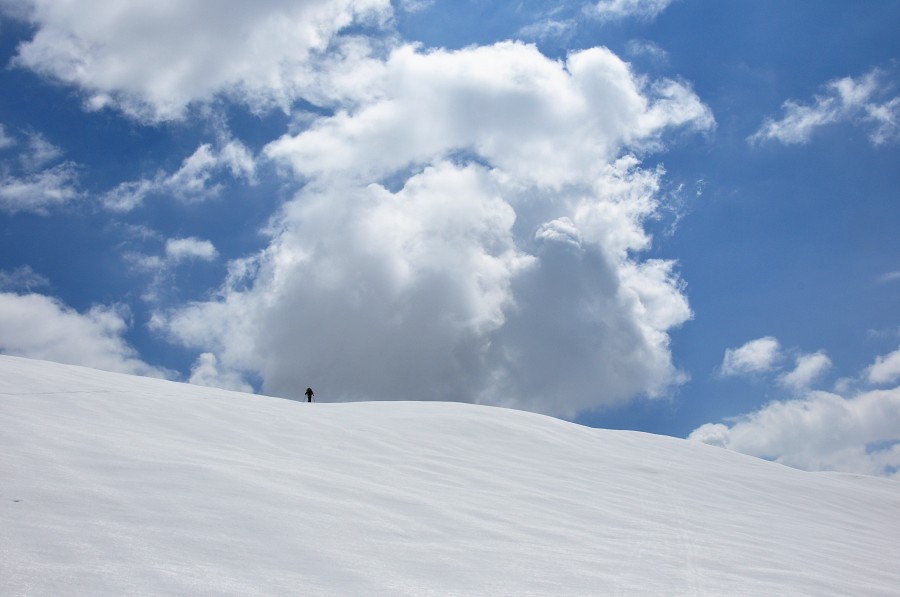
(116, 485)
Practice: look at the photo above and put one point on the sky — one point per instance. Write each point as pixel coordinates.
(114, 484)
(672, 216)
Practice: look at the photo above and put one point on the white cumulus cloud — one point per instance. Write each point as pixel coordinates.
(153, 59)
(821, 431)
(207, 372)
(885, 369)
(854, 428)
(755, 356)
(41, 327)
(807, 369)
(470, 228)
(540, 120)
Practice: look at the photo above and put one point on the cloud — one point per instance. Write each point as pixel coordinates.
(5, 139)
(153, 60)
(507, 103)
(41, 327)
(763, 355)
(469, 228)
(643, 47)
(549, 28)
(755, 356)
(615, 10)
(885, 370)
(194, 181)
(808, 368)
(39, 153)
(181, 249)
(414, 5)
(162, 267)
(29, 184)
(39, 192)
(889, 277)
(206, 372)
(854, 100)
(22, 278)
(821, 431)
(854, 428)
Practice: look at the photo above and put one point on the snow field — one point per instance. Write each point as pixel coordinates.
(112, 484)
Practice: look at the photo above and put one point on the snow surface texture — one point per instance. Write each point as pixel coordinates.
(116, 485)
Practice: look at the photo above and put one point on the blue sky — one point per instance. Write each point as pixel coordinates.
(672, 216)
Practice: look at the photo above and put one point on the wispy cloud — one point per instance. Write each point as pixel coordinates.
(39, 192)
(889, 277)
(5, 139)
(162, 267)
(194, 181)
(549, 29)
(39, 152)
(614, 10)
(648, 49)
(22, 278)
(28, 181)
(861, 101)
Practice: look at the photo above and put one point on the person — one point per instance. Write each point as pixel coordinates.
(309, 394)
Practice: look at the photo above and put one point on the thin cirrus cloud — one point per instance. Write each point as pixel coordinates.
(194, 181)
(613, 10)
(861, 101)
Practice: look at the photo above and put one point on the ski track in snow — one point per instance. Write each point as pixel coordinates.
(113, 484)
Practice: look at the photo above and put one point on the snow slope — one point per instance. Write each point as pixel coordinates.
(116, 485)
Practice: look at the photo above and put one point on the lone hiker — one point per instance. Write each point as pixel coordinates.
(309, 394)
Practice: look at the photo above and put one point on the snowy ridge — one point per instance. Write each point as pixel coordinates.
(113, 484)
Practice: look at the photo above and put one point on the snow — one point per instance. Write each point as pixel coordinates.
(113, 485)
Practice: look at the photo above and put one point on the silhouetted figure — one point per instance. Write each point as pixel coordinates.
(309, 394)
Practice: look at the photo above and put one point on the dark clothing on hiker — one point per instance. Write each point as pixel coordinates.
(309, 394)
